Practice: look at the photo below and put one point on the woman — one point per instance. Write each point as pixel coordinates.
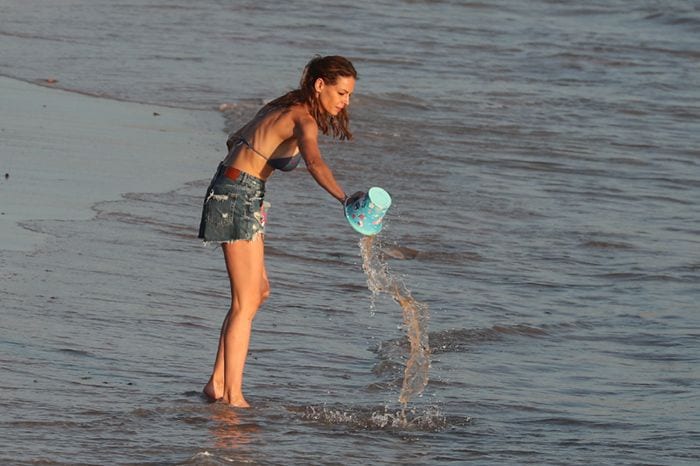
(282, 132)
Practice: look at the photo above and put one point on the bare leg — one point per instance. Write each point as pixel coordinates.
(249, 288)
(214, 389)
(245, 265)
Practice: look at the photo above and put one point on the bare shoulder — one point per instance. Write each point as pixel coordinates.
(299, 112)
(304, 123)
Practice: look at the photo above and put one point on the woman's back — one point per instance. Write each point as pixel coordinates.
(261, 145)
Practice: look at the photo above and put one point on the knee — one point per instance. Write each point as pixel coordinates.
(265, 291)
(245, 308)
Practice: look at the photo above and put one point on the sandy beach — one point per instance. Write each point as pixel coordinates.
(62, 152)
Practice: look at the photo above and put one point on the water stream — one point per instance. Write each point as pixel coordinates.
(415, 316)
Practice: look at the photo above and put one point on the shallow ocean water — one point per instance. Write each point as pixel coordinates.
(543, 162)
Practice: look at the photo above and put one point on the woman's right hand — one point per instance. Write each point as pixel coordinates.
(353, 198)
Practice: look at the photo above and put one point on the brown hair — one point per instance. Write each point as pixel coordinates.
(328, 68)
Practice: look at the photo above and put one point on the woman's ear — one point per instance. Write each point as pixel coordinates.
(319, 84)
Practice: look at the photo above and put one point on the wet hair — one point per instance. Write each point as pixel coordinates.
(328, 68)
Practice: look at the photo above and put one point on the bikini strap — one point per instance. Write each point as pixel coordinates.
(242, 140)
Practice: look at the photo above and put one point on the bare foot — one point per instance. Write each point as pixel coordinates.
(236, 401)
(211, 391)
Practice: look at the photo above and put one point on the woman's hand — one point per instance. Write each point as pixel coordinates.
(353, 198)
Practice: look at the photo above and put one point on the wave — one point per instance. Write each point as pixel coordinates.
(108, 95)
(26, 35)
(395, 251)
(391, 352)
(398, 101)
(607, 245)
(688, 18)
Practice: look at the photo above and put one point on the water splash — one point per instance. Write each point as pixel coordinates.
(429, 419)
(415, 317)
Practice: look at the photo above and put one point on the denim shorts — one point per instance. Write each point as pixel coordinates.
(233, 208)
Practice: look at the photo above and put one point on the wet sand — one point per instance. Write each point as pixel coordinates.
(62, 152)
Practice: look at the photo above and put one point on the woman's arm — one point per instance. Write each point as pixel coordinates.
(306, 134)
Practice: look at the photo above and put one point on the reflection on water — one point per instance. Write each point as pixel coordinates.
(415, 317)
(229, 429)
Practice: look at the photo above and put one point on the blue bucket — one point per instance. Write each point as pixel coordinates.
(366, 213)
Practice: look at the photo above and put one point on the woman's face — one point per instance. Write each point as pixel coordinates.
(335, 97)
